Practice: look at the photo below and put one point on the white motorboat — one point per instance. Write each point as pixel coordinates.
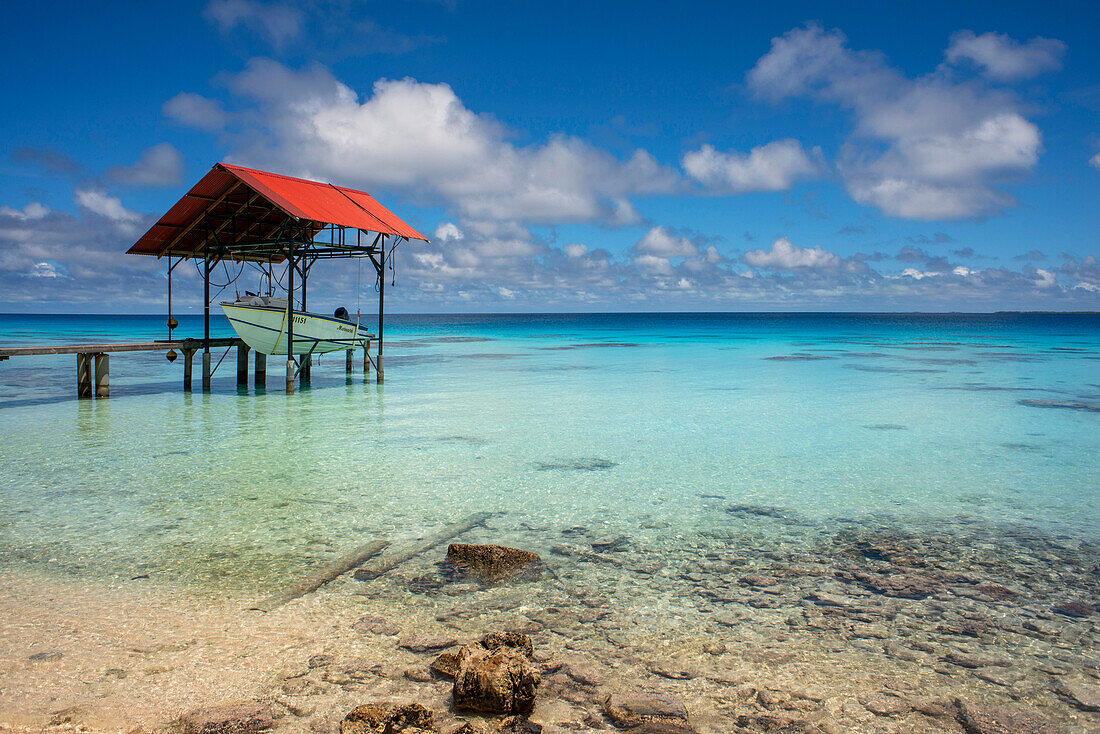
(262, 321)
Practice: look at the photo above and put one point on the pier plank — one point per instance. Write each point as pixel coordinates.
(108, 348)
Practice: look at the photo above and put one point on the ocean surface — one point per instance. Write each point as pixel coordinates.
(616, 420)
(814, 522)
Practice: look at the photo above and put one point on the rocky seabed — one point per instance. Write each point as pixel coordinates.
(761, 622)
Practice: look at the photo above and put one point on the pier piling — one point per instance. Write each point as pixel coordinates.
(290, 369)
(261, 370)
(305, 370)
(242, 366)
(188, 364)
(347, 361)
(83, 376)
(102, 375)
(206, 371)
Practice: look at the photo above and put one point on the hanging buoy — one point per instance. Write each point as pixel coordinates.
(171, 356)
(172, 323)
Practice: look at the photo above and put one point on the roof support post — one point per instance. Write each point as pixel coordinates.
(206, 321)
(379, 372)
(307, 359)
(290, 318)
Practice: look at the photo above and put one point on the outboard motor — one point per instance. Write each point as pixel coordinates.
(342, 314)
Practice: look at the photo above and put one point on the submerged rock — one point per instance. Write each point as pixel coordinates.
(1069, 404)
(603, 545)
(496, 675)
(445, 665)
(901, 585)
(375, 625)
(1075, 609)
(427, 643)
(515, 640)
(45, 657)
(757, 510)
(978, 718)
(589, 464)
(1085, 696)
(388, 718)
(419, 674)
(629, 709)
(494, 562)
(882, 704)
(966, 660)
(231, 719)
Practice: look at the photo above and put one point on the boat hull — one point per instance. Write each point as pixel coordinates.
(264, 329)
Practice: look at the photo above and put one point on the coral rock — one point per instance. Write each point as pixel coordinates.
(388, 718)
(232, 719)
(493, 562)
(496, 675)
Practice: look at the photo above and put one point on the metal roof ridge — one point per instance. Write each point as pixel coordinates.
(366, 211)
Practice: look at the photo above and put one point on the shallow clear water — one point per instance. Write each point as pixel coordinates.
(646, 425)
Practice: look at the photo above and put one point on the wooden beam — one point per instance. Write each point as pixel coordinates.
(197, 219)
(337, 568)
(447, 533)
(220, 227)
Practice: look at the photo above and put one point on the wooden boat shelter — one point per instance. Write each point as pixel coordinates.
(241, 215)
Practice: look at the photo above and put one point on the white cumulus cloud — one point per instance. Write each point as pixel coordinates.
(448, 232)
(422, 138)
(784, 255)
(30, 212)
(45, 270)
(775, 166)
(109, 207)
(659, 242)
(927, 148)
(1003, 58)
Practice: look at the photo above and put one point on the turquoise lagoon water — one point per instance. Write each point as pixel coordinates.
(646, 424)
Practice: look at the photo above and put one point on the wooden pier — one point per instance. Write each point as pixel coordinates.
(93, 362)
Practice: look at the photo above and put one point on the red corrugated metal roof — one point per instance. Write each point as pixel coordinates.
(308, 201)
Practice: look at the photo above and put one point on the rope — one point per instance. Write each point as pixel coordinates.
(228, 283)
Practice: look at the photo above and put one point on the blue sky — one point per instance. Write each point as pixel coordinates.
(575, 155)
